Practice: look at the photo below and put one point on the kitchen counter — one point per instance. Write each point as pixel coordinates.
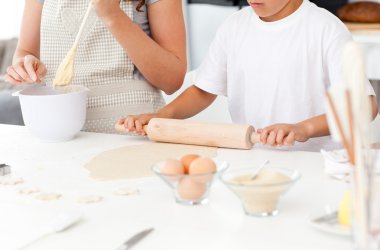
(221, 224)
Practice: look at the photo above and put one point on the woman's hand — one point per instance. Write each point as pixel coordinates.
(106, 9)
(26, 70)
(135, 123)
(283, 134)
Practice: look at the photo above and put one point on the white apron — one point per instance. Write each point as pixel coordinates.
(101, 64)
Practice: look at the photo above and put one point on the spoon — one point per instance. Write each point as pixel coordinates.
(65, 72)
(259, 169)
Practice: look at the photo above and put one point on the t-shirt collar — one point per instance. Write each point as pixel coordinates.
(301, 9)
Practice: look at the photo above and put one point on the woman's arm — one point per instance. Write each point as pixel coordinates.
(162, 58)
(26, 65)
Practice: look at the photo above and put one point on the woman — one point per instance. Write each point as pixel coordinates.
(130, 50)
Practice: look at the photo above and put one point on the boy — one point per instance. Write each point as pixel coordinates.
(274, 61)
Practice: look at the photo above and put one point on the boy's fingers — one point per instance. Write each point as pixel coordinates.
(129, 123)
(144, 120)
(272, 138)
(139, 128)
(289, 140)
(264, 136)
(121, 121)
(280, 137)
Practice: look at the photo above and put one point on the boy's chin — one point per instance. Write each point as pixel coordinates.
(260, 13)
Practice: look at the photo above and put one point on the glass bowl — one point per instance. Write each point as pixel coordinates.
(260, 197)
(190, 189)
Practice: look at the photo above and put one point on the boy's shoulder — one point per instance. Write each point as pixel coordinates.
(325, 20)
(237, 19)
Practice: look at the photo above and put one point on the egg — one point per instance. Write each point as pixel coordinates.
(172, 167)
(189, 189)
(202, 165)
(186, 160)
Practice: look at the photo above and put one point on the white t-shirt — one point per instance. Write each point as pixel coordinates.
(276, 72)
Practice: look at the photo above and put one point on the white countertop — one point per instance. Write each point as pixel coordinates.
(221, 224)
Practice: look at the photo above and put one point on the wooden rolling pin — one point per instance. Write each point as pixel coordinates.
(200, 133)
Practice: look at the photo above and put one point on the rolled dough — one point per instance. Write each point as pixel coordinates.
(136, 161)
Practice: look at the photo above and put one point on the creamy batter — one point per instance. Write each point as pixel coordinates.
(262, 198)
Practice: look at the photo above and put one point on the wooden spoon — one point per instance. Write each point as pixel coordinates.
(65, 72)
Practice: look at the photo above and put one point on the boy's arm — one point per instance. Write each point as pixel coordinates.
(288, 134)
(192, 101)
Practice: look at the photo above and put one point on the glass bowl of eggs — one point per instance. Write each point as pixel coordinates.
(190, 178)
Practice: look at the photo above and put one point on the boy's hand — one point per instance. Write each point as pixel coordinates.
(135, 123)
(283, 134)
(26, 70)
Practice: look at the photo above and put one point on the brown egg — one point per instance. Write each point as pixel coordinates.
(187, 160)
(189, 189)
(172, 166)
(202, 165)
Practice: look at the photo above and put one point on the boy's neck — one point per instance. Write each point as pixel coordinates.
(288, 9)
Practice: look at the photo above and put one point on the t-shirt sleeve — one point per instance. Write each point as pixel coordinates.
(334, 63)
(211, 75)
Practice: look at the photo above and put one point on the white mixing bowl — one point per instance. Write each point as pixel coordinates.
(53, 114)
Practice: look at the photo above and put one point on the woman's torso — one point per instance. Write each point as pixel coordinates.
(117, 89)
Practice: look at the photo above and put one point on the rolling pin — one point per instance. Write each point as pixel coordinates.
(200, 133)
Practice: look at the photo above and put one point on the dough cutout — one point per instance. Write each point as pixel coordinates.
(90, 199)
(126, 191)
(48, 196)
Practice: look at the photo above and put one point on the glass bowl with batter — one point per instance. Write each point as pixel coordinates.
(260, 196)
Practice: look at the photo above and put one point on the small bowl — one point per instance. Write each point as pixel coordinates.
(261, 197)
(53, 114)
(190, 189)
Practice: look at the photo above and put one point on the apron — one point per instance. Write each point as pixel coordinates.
(101, 64)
